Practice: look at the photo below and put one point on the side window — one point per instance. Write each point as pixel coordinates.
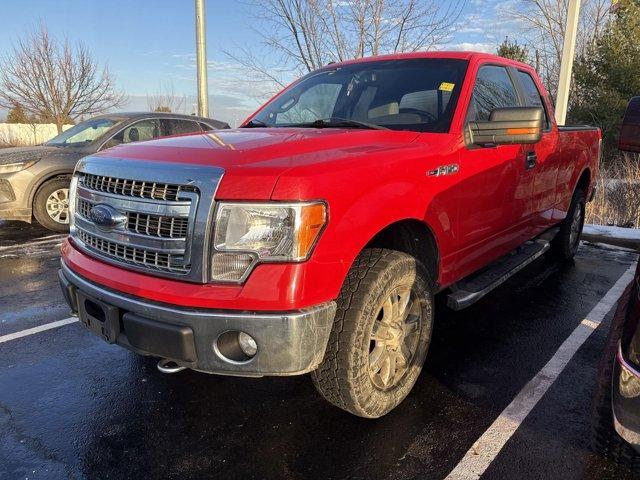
(316, 103)
(532, 94)
(493, 89)
(205, 127)
(136, 132)
(177, 127)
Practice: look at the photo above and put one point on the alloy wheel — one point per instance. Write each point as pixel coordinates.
(58, 205)
(576, 225)
(394, 338)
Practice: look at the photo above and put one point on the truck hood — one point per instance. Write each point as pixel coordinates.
(253, 159)
(262, 147)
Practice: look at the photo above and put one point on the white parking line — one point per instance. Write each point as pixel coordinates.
(38, 329)
(49, 240)
(486, 449)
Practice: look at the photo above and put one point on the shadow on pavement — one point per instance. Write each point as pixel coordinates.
(12, 233)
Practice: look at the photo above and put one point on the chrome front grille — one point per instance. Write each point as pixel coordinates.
(157, 225)
(155, 221)
(134, 256)
(144, 223)
(153, 217)
(135, 188)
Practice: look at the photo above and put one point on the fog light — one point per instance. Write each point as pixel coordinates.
(247, 344)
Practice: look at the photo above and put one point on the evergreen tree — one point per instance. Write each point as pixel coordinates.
(514, 51)
(608, 76)
(17, 115)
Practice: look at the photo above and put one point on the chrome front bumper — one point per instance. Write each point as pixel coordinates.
(289, 343)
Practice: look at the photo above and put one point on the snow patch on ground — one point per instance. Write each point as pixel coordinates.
(613, 232)
(623, 237)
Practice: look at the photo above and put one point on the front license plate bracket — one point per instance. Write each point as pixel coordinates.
(99, 317)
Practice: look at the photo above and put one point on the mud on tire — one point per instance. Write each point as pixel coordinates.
(345, 377)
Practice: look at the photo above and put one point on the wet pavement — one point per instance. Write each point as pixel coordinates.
(72, 406)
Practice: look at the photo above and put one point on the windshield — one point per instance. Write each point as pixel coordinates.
(412, 94)
(84, 132)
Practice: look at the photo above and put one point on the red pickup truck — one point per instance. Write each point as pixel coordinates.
(314, 237)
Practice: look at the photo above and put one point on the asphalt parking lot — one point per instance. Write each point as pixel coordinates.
(74, 407)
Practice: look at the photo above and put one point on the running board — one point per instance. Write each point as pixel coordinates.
(468, 291)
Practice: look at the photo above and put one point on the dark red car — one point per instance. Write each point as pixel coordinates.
(616, 415)
(629, 139)
(616, 410)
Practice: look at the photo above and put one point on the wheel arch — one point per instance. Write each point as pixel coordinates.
(413, 237)
(62, 174)
(584, 181)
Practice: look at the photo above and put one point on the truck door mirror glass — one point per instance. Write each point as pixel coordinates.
(508, 126)
(629, 140)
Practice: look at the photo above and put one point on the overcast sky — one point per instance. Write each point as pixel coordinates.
(149, 44)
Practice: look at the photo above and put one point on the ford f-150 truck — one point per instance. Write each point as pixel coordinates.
(314, 237)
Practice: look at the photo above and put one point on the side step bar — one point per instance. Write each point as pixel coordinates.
(468, 291)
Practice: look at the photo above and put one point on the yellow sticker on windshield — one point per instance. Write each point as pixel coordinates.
(446, 87)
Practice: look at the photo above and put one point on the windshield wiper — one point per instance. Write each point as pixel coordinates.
(255, 124)
(337, 122)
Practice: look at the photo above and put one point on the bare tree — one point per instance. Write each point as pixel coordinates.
(166, 100)
(543, 25)
(307, 34)
(55, 81)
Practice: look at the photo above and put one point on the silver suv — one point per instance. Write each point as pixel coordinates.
(34, 181)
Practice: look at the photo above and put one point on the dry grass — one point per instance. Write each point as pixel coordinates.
(617, 200)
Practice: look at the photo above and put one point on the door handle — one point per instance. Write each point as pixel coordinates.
(531, 159)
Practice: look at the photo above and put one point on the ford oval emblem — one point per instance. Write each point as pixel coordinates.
(105, 216)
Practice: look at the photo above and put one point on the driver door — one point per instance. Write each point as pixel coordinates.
(494, 196)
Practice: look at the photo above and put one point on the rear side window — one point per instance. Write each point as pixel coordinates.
(532, 94)
(493, 89)
(177, 127)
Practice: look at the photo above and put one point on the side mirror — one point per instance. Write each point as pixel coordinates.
(508, 126)
(629, 140)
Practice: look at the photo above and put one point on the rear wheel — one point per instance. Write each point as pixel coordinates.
(380, 336)
(566, 243)
(51, 205)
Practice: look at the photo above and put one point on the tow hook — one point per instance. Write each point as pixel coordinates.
(169, 366)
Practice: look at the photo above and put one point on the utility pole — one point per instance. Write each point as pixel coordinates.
(566, 66)
(201, 59)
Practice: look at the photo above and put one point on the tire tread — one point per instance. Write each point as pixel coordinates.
(336, 377)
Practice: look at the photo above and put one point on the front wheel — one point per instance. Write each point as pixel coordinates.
(380, 335)
(51, 205)
(566, 243)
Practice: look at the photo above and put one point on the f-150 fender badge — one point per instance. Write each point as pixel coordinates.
(444, 170)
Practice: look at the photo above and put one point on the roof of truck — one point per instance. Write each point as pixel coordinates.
(442, 54)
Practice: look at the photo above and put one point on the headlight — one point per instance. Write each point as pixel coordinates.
(247, 233)
(16, 167)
